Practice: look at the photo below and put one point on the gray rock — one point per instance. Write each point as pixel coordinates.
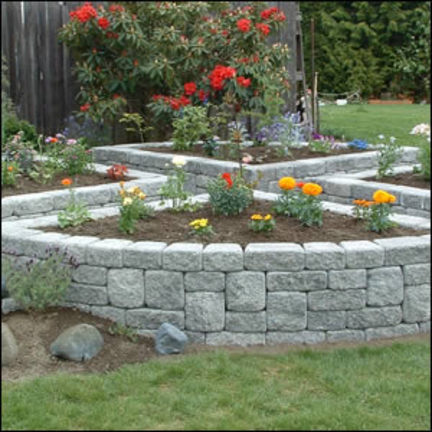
(170, 340)
(9, 350)
(78, 343)
(4, 292)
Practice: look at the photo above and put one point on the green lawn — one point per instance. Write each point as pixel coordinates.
(380, 388)
(367, 121)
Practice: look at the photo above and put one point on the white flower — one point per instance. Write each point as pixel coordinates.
(178, 161)
(127, 201)
(392, 139)
(421, 129)
(381, 136)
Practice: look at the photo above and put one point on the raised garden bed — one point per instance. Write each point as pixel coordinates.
(174, 227)
(408, 179)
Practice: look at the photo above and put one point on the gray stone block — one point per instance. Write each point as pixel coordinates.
(247, 322)
(416, 274)
(424, 327)
(345, 336)
(34, 203)
(416, 303)
(205, 311)
(88, 294)
(195, 337)
(414, 198)
(245, 291)
(388, 332)
(223, 257)
(405, 250)
(9, 305)
(385, 286)
(170, 340)
(347, 279)
(145, 255)
(297, 281)
(204, 281)
(326, 320)
(126, 287)
(308, 167)
(374, 317)
(324, 255)
(90, 275)
(153, 318)
(183, 257)
(274, 256)
(41, 245)
(336, 300)
(112, 313)
(77, 246)
(230, 338)
(286, 311)
(164, 290)
(363, 254)
(301, 337)
(107, 253)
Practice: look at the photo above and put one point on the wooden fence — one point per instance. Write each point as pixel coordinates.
(42, 86)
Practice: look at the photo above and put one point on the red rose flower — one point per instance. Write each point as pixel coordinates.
(175, 104)
(85, 107)
(228, 179)
(103, 23)
(243, 25)
(84, 13)
(225, 32)
(202, 95)
(189, 88)
(184, 101)
(300, 184)
(244, 82)
(115, 8)
(266, 14)
(263, 28)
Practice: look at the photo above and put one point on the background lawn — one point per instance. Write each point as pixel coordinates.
(365, 121)
(379, 388)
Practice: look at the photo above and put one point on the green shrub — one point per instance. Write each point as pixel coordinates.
(424, 157)
(13, 125)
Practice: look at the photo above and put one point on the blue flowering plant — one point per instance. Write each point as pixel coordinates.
(358, 144)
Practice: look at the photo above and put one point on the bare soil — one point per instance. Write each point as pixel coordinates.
(260, 155)
(408, 179)
(35, 332)
(172, 227)
(26, 184)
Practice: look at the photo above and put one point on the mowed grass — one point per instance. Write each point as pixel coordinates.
(366, 122)
(361, 388)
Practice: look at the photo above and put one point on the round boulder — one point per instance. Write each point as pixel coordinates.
(9, 350)
(78, 343)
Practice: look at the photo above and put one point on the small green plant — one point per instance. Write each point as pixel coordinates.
(190, 126)
(138, 124)
(75, 213)
(201, 227)
(44, 172)
(9, 173)
(229, 196)
(174, 190)
(210, 147)
(39, 283)
(259, 223)
(321, 143)
(132, 208)
(424, 158)
(20, 151)
(288, 202)
(121, 330)
(388, 154)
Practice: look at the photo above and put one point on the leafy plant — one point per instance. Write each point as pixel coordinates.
(388, 154)
(117, 172)
(201, 227)
(190, 126)
(39, 283)
(259, 223)
(229, 196)
(9, 173)
(119, 329)
(138, 124)
(210, 147)
(321, 143)
(20, 151)
(44, 171)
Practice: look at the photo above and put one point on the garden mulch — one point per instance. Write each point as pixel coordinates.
(172, 227)
(26, 185)
(260, 155)
(408, 179)
(36, 331)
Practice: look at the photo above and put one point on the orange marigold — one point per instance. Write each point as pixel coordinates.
(311, 189)
(10, 168)
(287, 183)
(383, 197)
(66, 181)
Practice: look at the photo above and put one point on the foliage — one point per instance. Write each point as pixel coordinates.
(13, 125)
(210, 147)
(9, 173)
(372, 46)
(229, 196)
(132, 208)
(117, 172)
(388, 154)
(75, 213)
(174, 189)
(190, 126)
(201, 227)
(259, 223)
(182, 49)
(39, 283)
(18, 150)
(321, 143)
(119, 329)
(96, 133)
(138, 124)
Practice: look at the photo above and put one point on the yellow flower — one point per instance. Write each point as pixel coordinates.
(287, 183)
(122, 192)
(179, 161)
(122, 183)
(268, 217)
(311, 189)
(256, 217)
(142, 195)
(382, 197)
(199, 223)
(127, 201)
(131, 190)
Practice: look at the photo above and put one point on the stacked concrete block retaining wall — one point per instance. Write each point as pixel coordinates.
(265, 294)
